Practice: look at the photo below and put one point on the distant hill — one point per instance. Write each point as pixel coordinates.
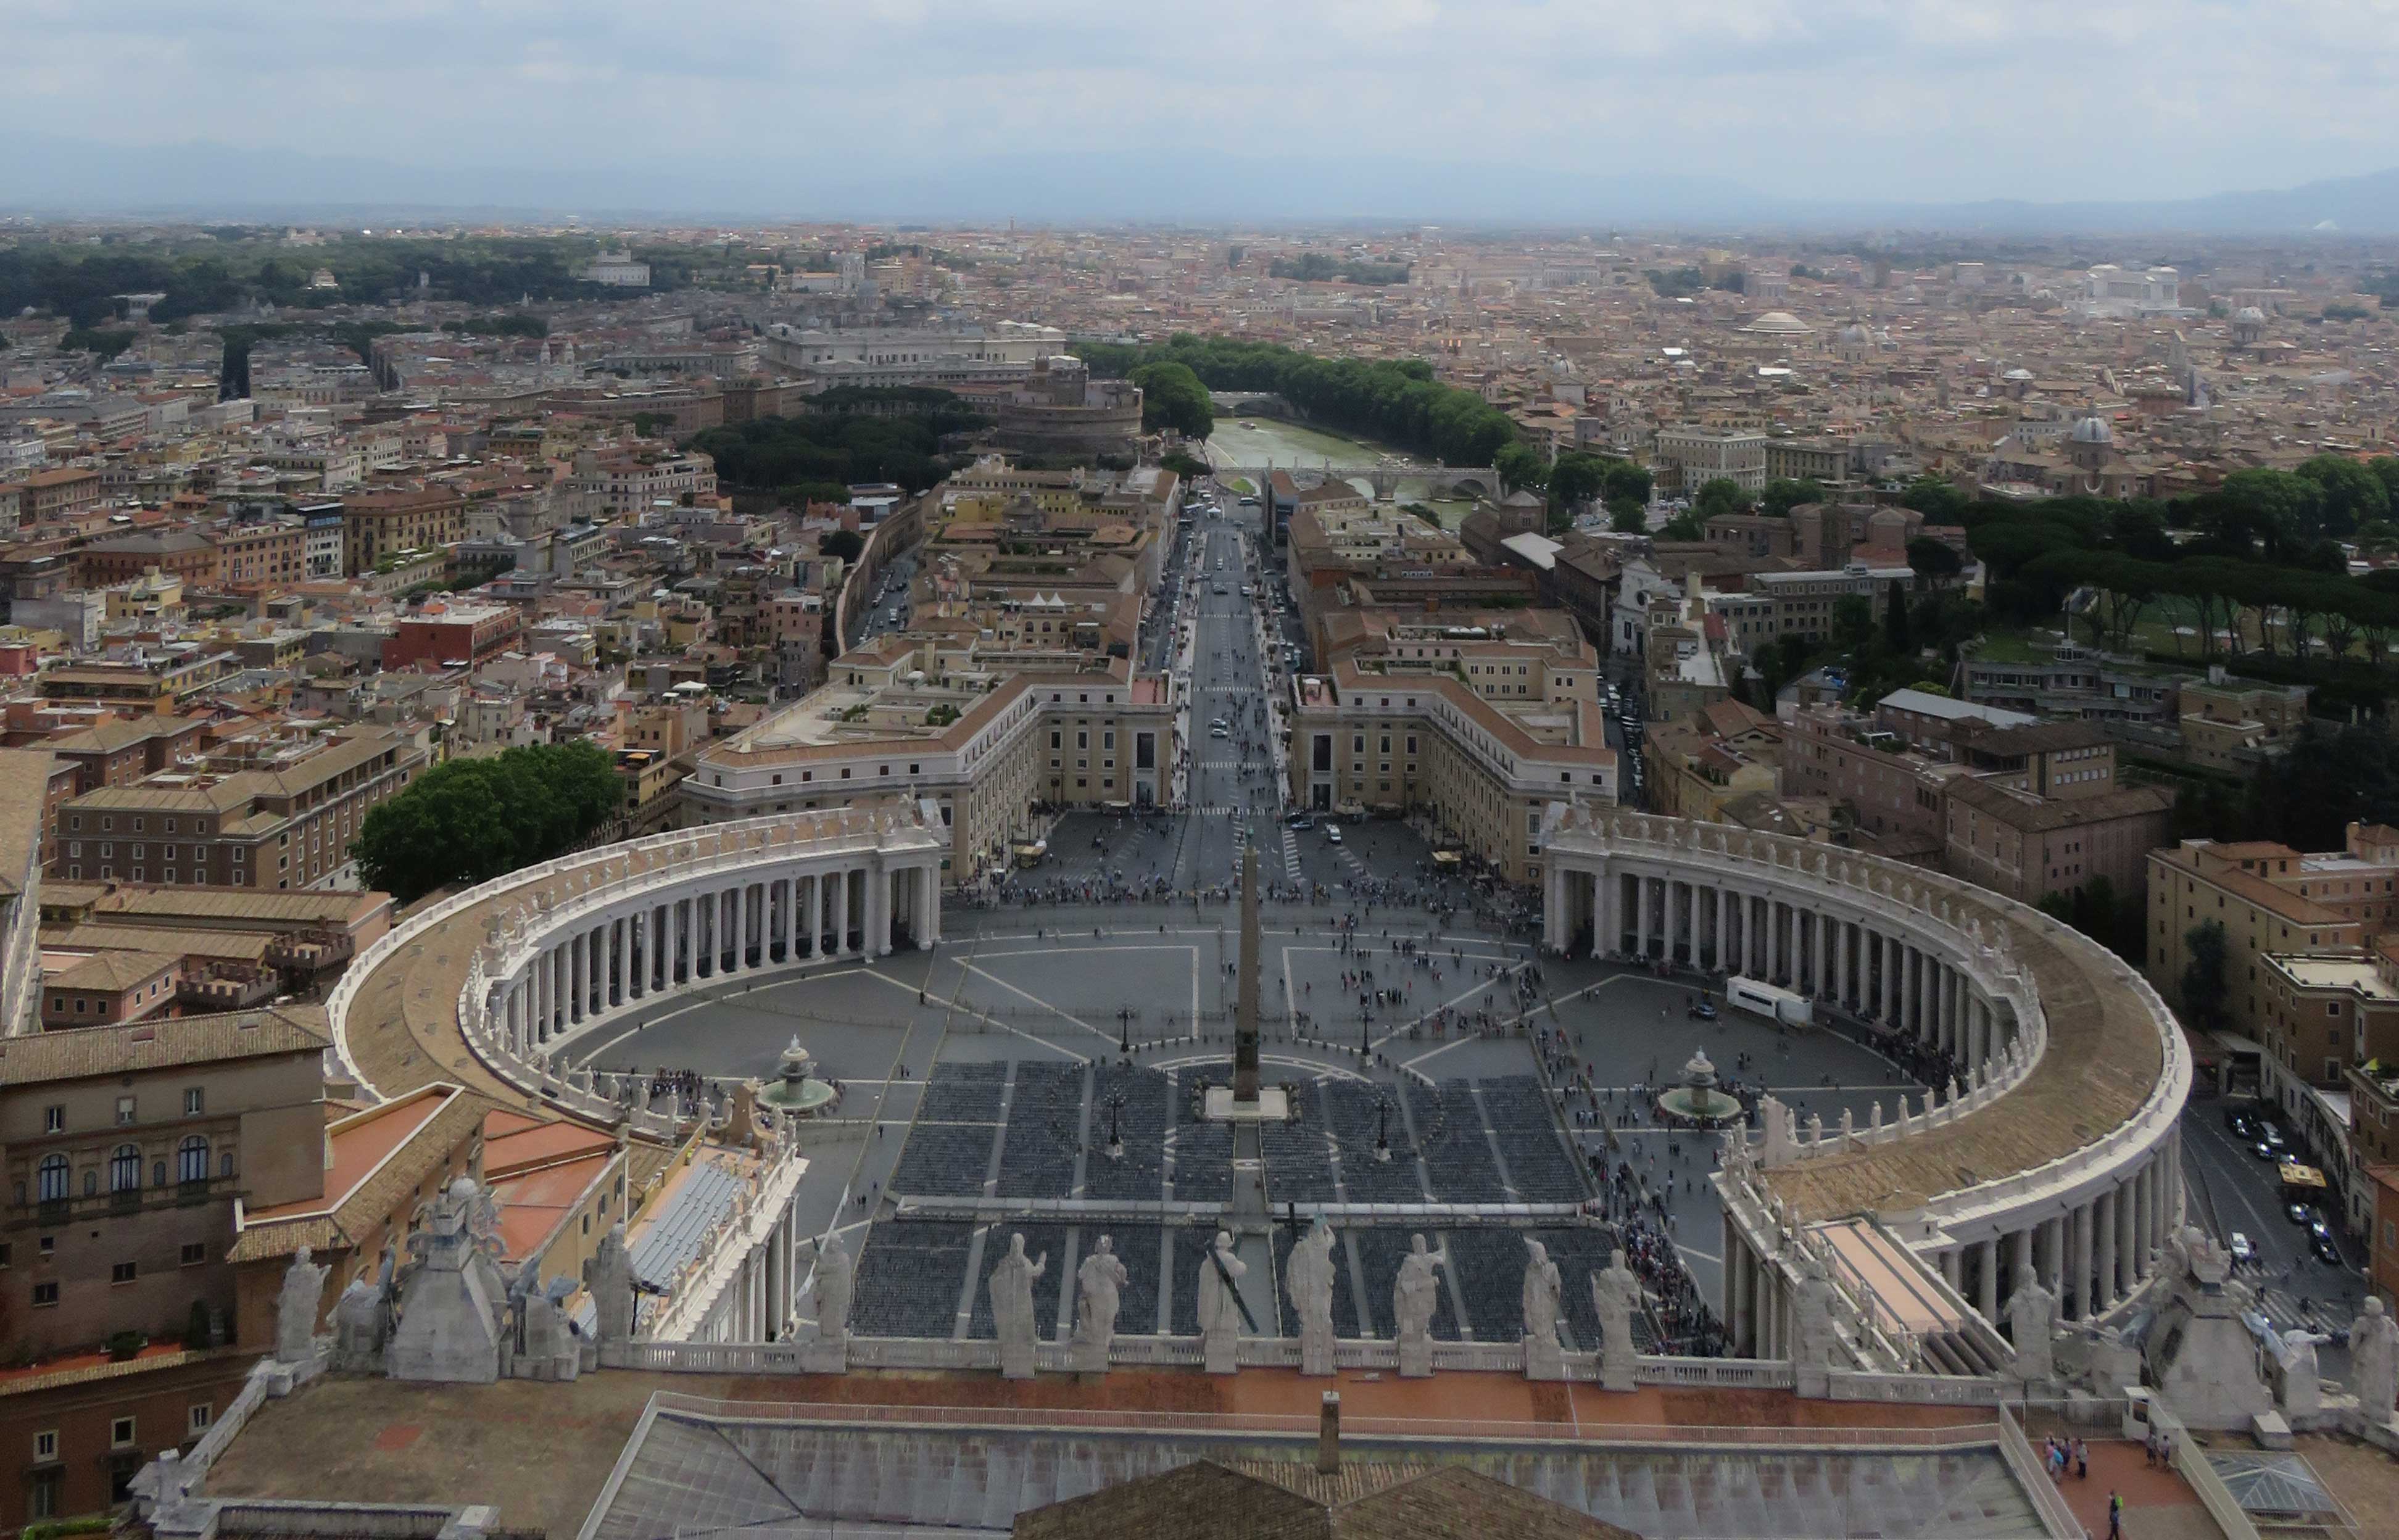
(59, 176)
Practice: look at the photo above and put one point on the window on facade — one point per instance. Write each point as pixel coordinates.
(50, 1179)
(125, 1169)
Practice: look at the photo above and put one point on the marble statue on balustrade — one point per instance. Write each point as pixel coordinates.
(2199, 1353)
(295, 1309)
(1416, 1296)
(2032, 1322)
(546, 1346)
(2374, 1361)
(1220, 1306)
(1099, 1286)
(453, 1301)
(1310, 1279)
(1817, 1337)
(1615, 1295)
(609, 1277)
(1544, 1357)
(362, 1322)
(2302, 1379)
(830, 1290)
(1012, 1307)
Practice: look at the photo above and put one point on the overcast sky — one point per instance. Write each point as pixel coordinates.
(1931, 99)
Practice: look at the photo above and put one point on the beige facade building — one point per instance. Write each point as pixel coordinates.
(2271, 901)
(281, 814)
(1688, 458)
(1486, 735)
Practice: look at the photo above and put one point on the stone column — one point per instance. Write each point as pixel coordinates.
(2174, 1180)
(2053, 1233)
(739, 928)
(2128, 1252)
(1724, 912)
(1953, 1270)
(1987, 1287)
(1553, 906)
(1641, 917)
(1738, 1277)
(815, 911)
(929, 905)
(2103, 1230)
(840, 912)
(2078, 1260)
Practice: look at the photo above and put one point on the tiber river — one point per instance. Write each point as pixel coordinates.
(1268, 441)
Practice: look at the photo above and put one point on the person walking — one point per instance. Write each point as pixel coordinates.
(2115, 1516)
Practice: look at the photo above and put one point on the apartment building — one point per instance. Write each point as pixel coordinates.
(989, 749)
(165, 681)
(129, 1151)
(2064, 680)
(1483, 734)
(1711, 757)
(2271, 901)
(2239, 726)
(277, 813)
(448, 633)
(50, 495)
(2331, 1024)
(2028, 846)
(1819, 460)
(378, 526)
(261, 556)
(1894, 792)
(176, 553)
(1687, 456)
(119, 750)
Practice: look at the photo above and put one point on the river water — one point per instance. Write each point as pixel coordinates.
(1268, 441)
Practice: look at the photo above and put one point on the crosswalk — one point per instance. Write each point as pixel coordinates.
(2283, 1307)
(1290, 855)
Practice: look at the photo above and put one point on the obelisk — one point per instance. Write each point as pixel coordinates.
(1245, 1020)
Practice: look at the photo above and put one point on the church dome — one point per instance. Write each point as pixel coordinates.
(1854, 335)
(2093, 430)
(1779, 322)
(2250, 314)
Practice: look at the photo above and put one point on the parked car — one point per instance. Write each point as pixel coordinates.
(1331, 835)
(1302, 821)
(2241, 1248)
(1702, 1012)
(2272, 1135)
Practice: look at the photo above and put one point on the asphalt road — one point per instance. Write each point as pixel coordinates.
(2229, 1190)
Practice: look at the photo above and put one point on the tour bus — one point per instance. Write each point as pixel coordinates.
(1782, 1005)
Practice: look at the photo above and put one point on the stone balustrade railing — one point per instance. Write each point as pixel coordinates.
(1363, 1353)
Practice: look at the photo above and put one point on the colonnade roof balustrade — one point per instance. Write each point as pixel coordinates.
(2111, 1075)
(395, 1011)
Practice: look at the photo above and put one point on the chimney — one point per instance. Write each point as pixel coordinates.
(1328, 1436)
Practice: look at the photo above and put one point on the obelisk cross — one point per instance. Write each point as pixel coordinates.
(1245, 1021)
